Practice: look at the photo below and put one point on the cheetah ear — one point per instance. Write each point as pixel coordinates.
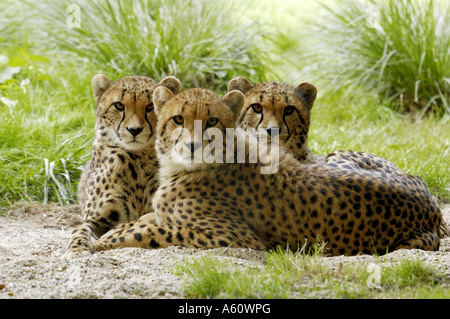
(309, 93)
(235, 101)
(240, 83)
(172, 83)
(160, 96)
(100, 83)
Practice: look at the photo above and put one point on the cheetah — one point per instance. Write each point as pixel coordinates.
(223, 204)
(281, 109)
(117, 185)
(276, 105)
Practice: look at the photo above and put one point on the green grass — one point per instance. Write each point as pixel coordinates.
(46, 120)
(299, 275)
(187, 39)
(398, 49)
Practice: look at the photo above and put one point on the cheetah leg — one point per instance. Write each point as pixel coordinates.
(426, 241)
(95, 224)
(148, 234)
(80, 241)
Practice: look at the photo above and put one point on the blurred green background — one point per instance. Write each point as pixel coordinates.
(382, 69)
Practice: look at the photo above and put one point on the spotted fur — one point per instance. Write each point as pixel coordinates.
(117, 185)
(234, 205)
(274, 99)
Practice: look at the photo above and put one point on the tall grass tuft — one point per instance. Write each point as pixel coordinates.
(400, 48)
(46, 128)
(203, 42)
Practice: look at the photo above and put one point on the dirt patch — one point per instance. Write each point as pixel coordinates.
(33, 238)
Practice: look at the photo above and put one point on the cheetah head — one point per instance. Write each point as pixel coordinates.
(125, 111)
(277, 108)
(192, 127)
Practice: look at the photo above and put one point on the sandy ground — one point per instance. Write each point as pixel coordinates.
(33, 238)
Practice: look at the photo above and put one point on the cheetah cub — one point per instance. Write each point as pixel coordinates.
(281, 109)
(207, 205)
(118, 183)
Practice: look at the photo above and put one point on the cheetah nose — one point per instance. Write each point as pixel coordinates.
(273, 131)
(193, 146)
(134, 131)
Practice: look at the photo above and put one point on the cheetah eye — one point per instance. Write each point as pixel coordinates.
(212, 122)
(149, 108)
(119, 106)
(178, 119)
(257, 108)
(288, 110)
